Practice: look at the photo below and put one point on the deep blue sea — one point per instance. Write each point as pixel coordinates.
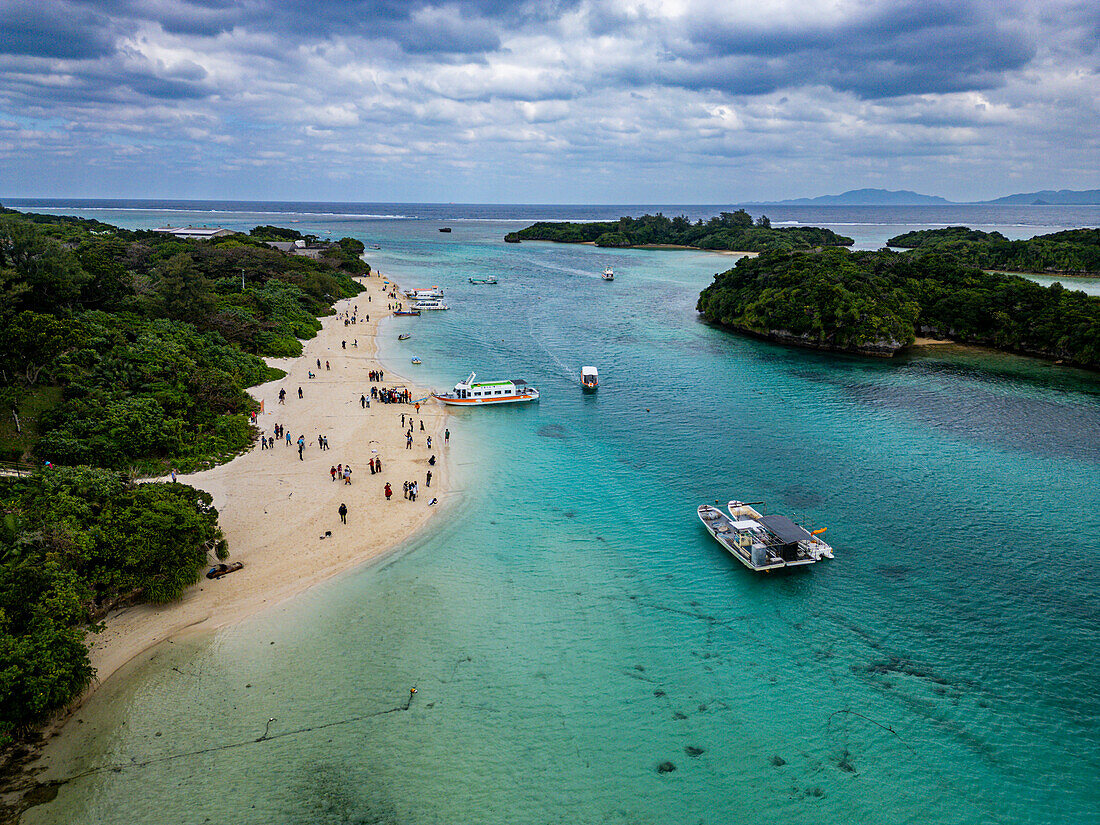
(570, 626)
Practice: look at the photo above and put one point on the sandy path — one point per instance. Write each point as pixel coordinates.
(275, 508)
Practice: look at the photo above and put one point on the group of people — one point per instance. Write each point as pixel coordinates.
(394, 395)
(342, 471)
(377, 376)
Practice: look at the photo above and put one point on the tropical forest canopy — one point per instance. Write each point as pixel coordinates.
(1071, 252)
(877, 302)
(727, 231)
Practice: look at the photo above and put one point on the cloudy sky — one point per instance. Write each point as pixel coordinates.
(605, 101)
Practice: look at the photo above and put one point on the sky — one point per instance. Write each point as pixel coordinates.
(558, 101)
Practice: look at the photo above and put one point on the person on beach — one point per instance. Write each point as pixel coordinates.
(299, 392)
(371, 465)
(421, 425)
(405, 489)
(409, 443)
(388, 491)
(324, 446)
(282, 396)
(318, 363)
(363, 401)
(263, 442)
(446, 436)
(429, 442)
(428, 479)
(343, 345)
(355, 341)
(321, 442)
(402, 419)
(332, 472)
(347, 474)
(378, 464)
(343, 511)
(327, 367)
(417, 406)
(288, 441)
(431, 461)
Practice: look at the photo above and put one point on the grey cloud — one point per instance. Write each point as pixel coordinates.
(53, 30)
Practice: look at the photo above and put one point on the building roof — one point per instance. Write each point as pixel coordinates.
(195, 231)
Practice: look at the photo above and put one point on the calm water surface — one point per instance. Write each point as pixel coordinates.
(569, 626)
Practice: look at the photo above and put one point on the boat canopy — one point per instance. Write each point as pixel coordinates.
(746, 524)
(588, 371)
(784, 529)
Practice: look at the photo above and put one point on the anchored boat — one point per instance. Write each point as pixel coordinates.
(406, 312)
(609, 274)
(472, 393)
(433, 303)
(489, 280)
(416, 360)
(763, 543)
(590, 379)
(424, 294)
(404, 336)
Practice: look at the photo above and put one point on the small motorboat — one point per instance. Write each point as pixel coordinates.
(405, 336)
(416, 360)
(375, 246)
(609, 274)
(219, 570)
(404, 312)
(489, 280)
(590, 379)
(444, 229)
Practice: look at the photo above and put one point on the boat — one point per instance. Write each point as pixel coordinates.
(404, 336)
(375, 246)
(403, 312)
(590, 379)
(416, 360)
(763, 543)
(223, 569)
(431, 303)
(473, 393)
(489, 280)
(609, 274)
(420, 294)
(444, 229)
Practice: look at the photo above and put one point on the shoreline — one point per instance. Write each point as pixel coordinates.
(275, 518)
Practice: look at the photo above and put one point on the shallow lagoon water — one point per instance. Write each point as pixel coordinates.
(569, 626)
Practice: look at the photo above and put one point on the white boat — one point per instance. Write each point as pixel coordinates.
(609, 274)
(762, 543)
(418, 294)
(430, 303)
(416, 360)
(489, 280)
(473, 393)
(590, 379)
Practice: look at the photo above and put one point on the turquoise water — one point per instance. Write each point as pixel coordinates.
(569, 626)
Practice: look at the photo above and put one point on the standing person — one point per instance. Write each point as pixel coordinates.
(371, 465)
(429, 442)
(421, 425)
(288, 441)
(408, 442)
(318, 363)
(327, 367)
(388, 491)
(402, 419)
(363, 401)
(173, 475)
(446, 436)
(417, 406)
(299, 392)
(347, 474)
(332, 472)
(405, 489)
(378, 464)
(320, 442)
(325, 445)
(263, 442)
(282, 396)
(343, 511)
(428, 479)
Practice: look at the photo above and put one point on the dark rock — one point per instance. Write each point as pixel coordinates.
(659, 693)
(778, 761)
(666, 767)
(693, 751)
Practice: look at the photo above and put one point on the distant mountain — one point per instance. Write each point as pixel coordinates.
(1063, 197)
(867, 197)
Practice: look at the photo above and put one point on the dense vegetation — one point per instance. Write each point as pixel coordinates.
(728, 231)
(877, 302)
(133, 349)
(126, 350)
(1071, 252)
(75, 542)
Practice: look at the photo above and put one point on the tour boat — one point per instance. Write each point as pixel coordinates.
(763, 543)
(609, 274)
(406, 312)
(473, 393)
(404, 337)
(420, 294)
(489, 280)
(590, 379)
(432, 303)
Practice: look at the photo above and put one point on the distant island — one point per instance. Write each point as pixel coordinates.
(730, 231)
(904, 197)
(876, 303)
(1071, 252)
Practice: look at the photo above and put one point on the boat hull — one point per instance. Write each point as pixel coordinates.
(482, 402)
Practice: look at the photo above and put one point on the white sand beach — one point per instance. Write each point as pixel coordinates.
(275, 509)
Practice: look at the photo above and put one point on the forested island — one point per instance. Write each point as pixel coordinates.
(1071, 252)
(732, 231)
(876, 303)
(125, 353)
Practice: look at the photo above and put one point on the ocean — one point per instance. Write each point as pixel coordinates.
(581, 650)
